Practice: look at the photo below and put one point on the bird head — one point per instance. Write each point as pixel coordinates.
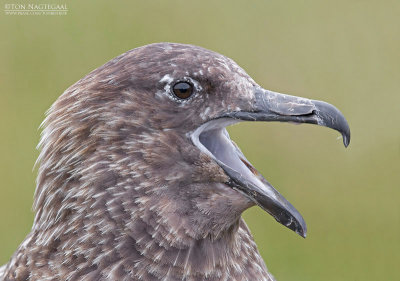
(144, 138)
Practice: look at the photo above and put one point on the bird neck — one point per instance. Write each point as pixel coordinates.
(148, 215)
(149, 252)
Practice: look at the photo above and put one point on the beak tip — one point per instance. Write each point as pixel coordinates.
(331, 117)
(346, 140)
(299, 226)
(302, 232)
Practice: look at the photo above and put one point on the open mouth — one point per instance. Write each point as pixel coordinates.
(213, 139)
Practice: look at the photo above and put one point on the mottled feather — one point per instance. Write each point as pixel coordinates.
(122, 193)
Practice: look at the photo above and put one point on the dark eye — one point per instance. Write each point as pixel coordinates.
(183, 90)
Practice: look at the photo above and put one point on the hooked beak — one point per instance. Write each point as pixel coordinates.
(213, 139)
(272, 106)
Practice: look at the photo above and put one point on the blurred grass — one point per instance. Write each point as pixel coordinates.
(343, 52)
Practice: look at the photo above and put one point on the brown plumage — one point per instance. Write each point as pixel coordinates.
(136, 183)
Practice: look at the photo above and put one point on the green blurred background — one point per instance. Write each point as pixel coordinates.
(343, 52)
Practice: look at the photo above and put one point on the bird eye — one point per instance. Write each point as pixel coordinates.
(183, 90)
